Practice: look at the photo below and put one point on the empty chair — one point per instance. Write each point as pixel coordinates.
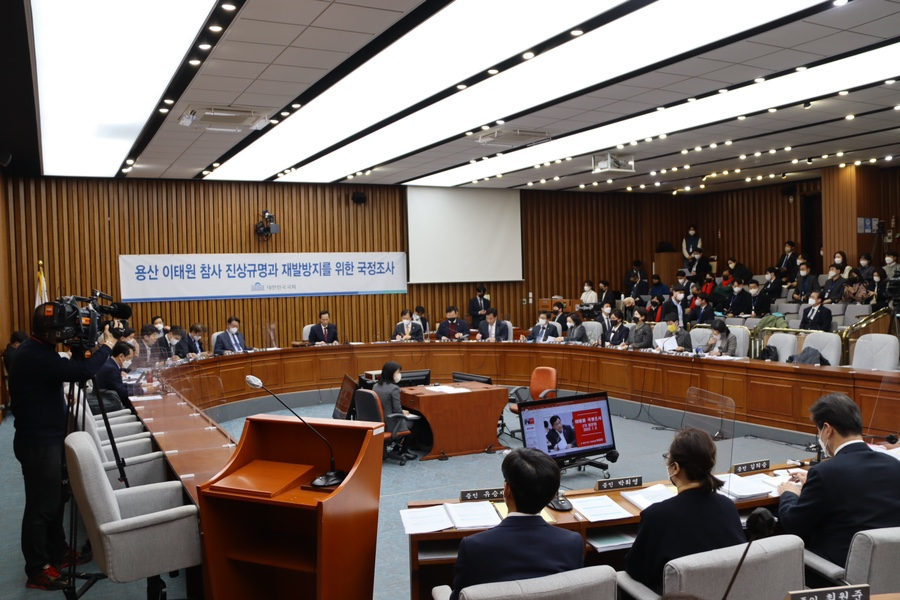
(509, 332)
(736, 321)
(876, 351)
(369, 408)
(212, 340)
(142, 464)
(594, 330)
(699, 336)
(822, 279)
(854, 312)
(743, 341)
(785, 343)
(787, 308)
(543, 385)
(773, 567)
(794, 323)
(305, 335)
(837, 309)
(136, 533)
(837, 322)
(588, 583)
(873, 559)
(828, 345)
(752, 322)
(557, 327)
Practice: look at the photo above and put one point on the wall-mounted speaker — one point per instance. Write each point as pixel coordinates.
(358, 197)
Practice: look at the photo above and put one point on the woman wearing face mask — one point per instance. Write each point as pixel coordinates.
(389, 393)
(589, 296)
(654, 309)
(641, 335)
(866, 268)
(697, 519)
(855, 289)
(890, 264)
(576, 332)
(875, 290)
(721, 342)
(840, 259)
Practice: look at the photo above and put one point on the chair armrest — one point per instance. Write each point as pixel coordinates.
(120, 439)
(129, 449)
(516, 396)
(545, 392)
(403, 416)
(148, 520)
(116, 413)
(121, 429)
(150, 498)
(441, 592)
(634, 588)
(823, 567)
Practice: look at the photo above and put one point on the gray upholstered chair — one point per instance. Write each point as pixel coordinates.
(876, 351)
(854, 312)
(699, 336)
(787, 308)
(588, 583)
(873, 559)
(785, 343)
(773, 567)
(136, 533)
(743, 341)
(752, 322)
(557, 327)
(828, 345)
(509, 332)
(794, 323)
(212, 340)
(734, 321)
(306, 328)
(659, 331)
(594, 330)
(142, 464)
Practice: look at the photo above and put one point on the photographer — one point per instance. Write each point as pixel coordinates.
(36, 382)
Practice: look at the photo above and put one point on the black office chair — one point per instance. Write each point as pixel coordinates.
(368, 408)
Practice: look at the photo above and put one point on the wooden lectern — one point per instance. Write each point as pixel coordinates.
(268, 534)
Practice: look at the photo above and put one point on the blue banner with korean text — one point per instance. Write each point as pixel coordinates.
(153, 277)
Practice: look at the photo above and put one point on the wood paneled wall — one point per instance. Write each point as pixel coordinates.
(78, 227)
(889, 204)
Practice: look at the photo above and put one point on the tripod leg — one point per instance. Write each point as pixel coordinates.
(156, 588)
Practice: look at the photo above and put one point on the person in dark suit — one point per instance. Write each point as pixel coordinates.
(560, 316)
(703, 312)
(492, 329)
(698, 519)
(816, 317)
(109, 378)
(773, 287)
(168, 342)
(604, 294)
(677, 304)
(478, 306)
(559, 436)
(760, 305)
(508, 551)
(419, 317)
(147, 354)
(807, 282)
(638, 287)
(542, 332)
(786, 265)
(325, 332)
(617, 335)
(604, 317)
(191, 345)
(15, 339)
(698, 267)
(682, 337)
(231, 341)
(848, 493)
(738, 270)
(575, 331)
(833, 290)
(641, 335)
(740, 301)
(452, 328)
(408, 330)
(635, 274)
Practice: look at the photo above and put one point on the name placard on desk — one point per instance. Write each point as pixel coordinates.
(844, 592)
(619, 483)
(750, 467)
(481, 495)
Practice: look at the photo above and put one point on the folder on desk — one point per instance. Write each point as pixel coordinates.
(648, 496)
(742, 488)
(668, 344)
(465, 515)
(599, 508)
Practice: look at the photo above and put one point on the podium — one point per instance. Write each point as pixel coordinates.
(268, 534)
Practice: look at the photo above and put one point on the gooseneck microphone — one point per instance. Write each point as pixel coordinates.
(333, 476)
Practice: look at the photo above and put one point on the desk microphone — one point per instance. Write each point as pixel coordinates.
(333, 476)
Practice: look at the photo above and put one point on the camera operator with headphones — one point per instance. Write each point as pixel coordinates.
(36, 380)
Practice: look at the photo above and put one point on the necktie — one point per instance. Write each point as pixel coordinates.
(407, 330)
(325, 333)
(480, 303)
(812, 314)
(542, 333)
(235, 343)
(700, 315)
(491, 331)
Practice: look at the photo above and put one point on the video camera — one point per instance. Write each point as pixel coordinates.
(66, 321)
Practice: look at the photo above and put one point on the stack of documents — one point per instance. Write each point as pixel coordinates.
(446, 389)
(466, 515)
(599, 508)
(743, 488)
(603, 540)
(651, 495)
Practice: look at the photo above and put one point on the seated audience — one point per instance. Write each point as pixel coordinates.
(682, 338)
(420, 318)
(575, 331)
(654, 309)
(806, 284)
(507, 552)
(709, 284)
(738, 270)
(452, 328)
(703, 312)
(618, 332)
(722, 294)
(168, 342)
(693, 292)
(681, 279)
(841, 496)
(628, 306)
(408, 330)
(697, 519)
(875, 295)
(389, 394)
(816, 317)
(866, 268)
(637, 287)
(676, 304)
(657, 287)
(855, 290)
(833, 289)
(740, 300)
(150, 354)
(109, 379)
(721, 341)
(605, 294)
(699, 266)
(772, 288)
(492, 329)
(641, 335)
(840, 259)
(231, 341)
(325, 332)
(478, 306)
(603, 317)
(890, 264)
(559, 316)
(191, 345)
(802, 259)
(589, 296)
(760, 305)
(542, 332)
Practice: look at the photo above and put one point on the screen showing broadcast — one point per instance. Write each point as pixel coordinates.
(568, 427)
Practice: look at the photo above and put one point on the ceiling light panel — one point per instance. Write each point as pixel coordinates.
(410, 71)
(859, 70)
(100, 77)
(566, 69)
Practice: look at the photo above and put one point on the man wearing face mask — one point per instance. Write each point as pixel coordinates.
(641, 335)
(689, 244)
(452, 328)
(109, 378)
(682, 338)
(760, 305)
(478, 306)
(699, 267)
(773, 286)
(677, 304)
(157, 321)
(603, 318)
(890, 264)
(833, 290)
(740, 301)
(806, 284)
(703, 312)
(149, 354)
(559, 316)
(191, 345)
(408, 330)
(604, 294)
(786, 266)
(542, 332)
(231, 341)
(638, 287)
(168, 342)
(816, 317)
(839, 497)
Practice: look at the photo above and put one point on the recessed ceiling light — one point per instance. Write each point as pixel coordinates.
(759, 80)
(546, 164)
(620, 146)
(493, 71)
(126, 170)
(206, 172)
(660, 108)
(728, 142)
(890, 81)
(698, 148)
(800, 69)
(643, 186)
(628, 188)
(897, 107)
(164, 110)
(757, 153)
(130, 161)
(691, 99)
(684, 151)
(632, 143)
(748, 179)
(839, 154)
(556, 178)
(169, 101)
(656, 184)
(795, 161)
(842, 165)
(773, 110)
(702, 186)
(295, 105)
(674, 169)
(472, 161)
(648, 139)
(461, 86)
(843, 93)
(528, 55)
(743, 156)
(687, 166)
(742, 117)
(558, 160)
(857, 163)
(205, 46)
(215, 165)
(568, 158)
(824, 156)
(759, 177)
(737, 170)
(687, 188)
(840, 2)
(772, 151)
(194, 62)
(485, 127)
(663, 136)
(888, 157)
(215, 28)
(581, 186)
(285, 113)
(543, 181)
(663, 171)
(652, 173)
(725, 172)
(850, 117)
(499, 175)
(714, 145)
(468, 133)
(871, 160)
(609, 181)
(500, 121)
(771, 175)
(576, 32)
(787, 148)
(273, 121)
(228, 7)
(530, 183)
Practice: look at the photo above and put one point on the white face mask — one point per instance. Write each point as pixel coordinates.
(737, 290)
(691, 232)
(769, 276)
(864, 263)
(876, 279)
(753, 291)
(542, 322)
(197, 338)
(681, 280)
(587, 288)
(570, 324)
(889, 260)
(804, 273)
(838, 260)
(232, 330)
(126, 364)
(397, 377)
(812, 301)
(822, 446)
(607, 310)
(159, 327)
(406, 322)
(832, 273)
(679, 296)
(731, 265)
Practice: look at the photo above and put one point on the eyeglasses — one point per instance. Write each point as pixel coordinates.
(665, 455)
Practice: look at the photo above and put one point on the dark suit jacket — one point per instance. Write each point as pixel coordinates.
(706, 315)
(443, 330)
(329, 336)
(474, 308)
(741, 272)
(501, 331)
(626, 281)
(670, 307)
(821, 322)
(223, 343)
(617, 336)
(608, 296)
(834, 290)
(109, 377)
(700, 267)
(772, 290)
(166, 350)
(537, 336)
(760, 304)
(689, 523)
(682, 337)
(641, 288)
(738, 304)
(187, 345)
(578, 334)
(554, 437)
(843, 495)
(147, 357)
(806, 286)
(517, 548)
(788, 262)
(415, 331)
(561, 319)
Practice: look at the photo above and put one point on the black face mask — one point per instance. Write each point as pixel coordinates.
(636, 319)
(654, 304)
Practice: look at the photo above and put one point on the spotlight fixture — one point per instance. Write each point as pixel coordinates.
(129, 162)
(850, 117)
(528, 55)
(576, 32)
(807, 105)
(493, 71)
(809, 161)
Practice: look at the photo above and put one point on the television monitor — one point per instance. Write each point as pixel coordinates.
(414, 378)
(343, 408)
(584, 427)
(457, 377)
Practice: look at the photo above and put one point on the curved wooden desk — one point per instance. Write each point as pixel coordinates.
(773, 394)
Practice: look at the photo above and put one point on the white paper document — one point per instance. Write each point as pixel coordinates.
(651, 495)
(599, 508)
(446, 389)
(425, 520)
(603, 541)
(667, 344)
(465, 515)
(136, 399)
(742, 488)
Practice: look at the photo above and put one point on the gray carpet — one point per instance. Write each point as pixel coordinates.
(640, 444)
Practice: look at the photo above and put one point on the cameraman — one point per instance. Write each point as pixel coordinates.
(36, 380)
